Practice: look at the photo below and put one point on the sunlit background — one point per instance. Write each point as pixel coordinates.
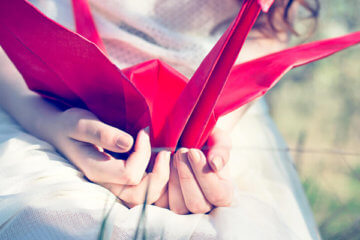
(317, 109)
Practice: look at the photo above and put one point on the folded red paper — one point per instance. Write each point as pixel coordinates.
(74, 70)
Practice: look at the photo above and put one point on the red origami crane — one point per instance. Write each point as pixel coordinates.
(74, 70)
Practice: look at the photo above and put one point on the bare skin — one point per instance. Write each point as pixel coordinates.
(187, 181)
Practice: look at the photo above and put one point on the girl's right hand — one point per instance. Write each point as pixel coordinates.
(82, 138)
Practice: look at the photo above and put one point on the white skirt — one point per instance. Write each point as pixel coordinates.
(42, 196)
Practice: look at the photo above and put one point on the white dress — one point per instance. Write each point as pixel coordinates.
(42, 196)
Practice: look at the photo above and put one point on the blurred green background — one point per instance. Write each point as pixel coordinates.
(317, 109)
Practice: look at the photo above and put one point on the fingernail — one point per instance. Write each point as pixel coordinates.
(145, 133)
(194, 155)
(124, 142)
(173, 162)
(167, 154)
(216, 163)
(182, 155)
(147, 130)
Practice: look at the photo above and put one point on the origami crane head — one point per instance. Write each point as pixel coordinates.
(74, 70)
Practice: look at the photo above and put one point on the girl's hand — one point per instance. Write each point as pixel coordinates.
(197, 183)
(82, 138)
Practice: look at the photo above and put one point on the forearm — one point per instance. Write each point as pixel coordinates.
(26, 107)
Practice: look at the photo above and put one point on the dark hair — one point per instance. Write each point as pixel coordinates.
(280, 19)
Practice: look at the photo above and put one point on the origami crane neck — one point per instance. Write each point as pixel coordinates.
(194, 108)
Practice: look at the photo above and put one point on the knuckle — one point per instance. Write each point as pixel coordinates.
(182, 150)
(116, 179)
(75, 114)
(98, 134)
(179, 210)
(76, 120)
(113, 139)
(103, 135)
(79, 125)
(112, 175)
(185, 175)
(112, 189)
(160, 177)
(91, 175)
(220, 200)
(72, 113)
(198, 207)
(134, 198)
(131, 178)
(69, 120)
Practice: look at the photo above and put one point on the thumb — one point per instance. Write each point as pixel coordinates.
(218, 155)
(87, 128)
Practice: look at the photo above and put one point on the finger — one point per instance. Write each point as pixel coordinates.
(138, 161)
(129, 194)
(159, 177)
(219, 144)
(163, 201)
(153, 185)
(176, 199)
(117, 189)
(96, 166)
(101, 167)
(87, 128)
(217, 189)
(193, 196)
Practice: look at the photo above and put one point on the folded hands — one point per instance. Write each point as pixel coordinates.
(185, 181)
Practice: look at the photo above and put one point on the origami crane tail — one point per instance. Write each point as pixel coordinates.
(253, 79)
(209, 80)
(85, 24)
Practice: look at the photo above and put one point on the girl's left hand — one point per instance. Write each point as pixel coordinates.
(198, 183)
(82, 137)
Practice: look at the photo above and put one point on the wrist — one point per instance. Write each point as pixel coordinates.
(45, 120)
(35, 115)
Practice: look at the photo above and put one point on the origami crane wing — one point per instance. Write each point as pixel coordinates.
(74, 70)
(211, 92)
(63, 65)
(253, 79)
(222, 57)
(157, 82)
(84, 74)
